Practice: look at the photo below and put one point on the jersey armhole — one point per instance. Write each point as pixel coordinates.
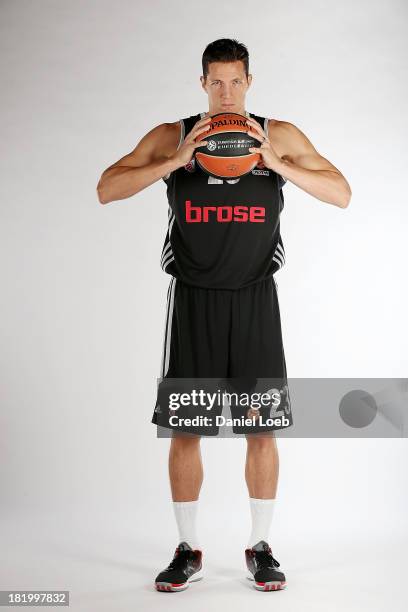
(281, 180)
(167, 176)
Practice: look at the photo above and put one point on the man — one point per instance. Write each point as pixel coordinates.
(222, 296)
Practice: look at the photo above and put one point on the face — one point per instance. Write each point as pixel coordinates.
(226, 85)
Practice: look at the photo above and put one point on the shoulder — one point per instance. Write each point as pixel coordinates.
(284, 129)
(287, 136)
(168, 131)
(164, 138)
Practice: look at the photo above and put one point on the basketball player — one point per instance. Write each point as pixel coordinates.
(222, 296)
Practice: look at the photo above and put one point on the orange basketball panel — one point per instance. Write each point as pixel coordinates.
(225, 122)
(227, 167)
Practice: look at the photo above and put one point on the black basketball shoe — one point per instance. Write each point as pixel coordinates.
(185, 567)
(261, 566)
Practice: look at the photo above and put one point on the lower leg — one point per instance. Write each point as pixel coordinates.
(262, 467)
(185, 468)
(261, 473)
(186, 477)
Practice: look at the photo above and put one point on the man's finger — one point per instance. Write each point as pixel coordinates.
(256, 136)
(199, 131)
(200, 124)
(258, 129)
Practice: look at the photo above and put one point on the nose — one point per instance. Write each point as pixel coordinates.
(226, 92)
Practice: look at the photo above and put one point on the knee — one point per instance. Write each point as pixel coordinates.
(184, 443)
(261, 444)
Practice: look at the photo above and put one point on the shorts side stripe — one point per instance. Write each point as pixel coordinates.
(168, 325)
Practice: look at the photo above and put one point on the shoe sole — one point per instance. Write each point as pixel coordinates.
(272, 585)
(172, 587)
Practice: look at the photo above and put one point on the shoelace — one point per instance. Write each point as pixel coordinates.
(179, 559)
(265, 559)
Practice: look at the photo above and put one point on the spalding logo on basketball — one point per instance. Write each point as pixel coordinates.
(226, 153)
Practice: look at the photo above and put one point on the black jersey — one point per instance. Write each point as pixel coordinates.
(223, 234)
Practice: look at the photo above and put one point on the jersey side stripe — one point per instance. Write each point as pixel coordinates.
(167, 244)
(167, 254)
(279, 254)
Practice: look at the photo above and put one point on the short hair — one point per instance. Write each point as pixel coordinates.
(225, 50)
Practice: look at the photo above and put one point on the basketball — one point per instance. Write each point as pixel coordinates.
(226, 153)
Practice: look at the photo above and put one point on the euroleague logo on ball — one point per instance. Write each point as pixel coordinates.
(211, 145)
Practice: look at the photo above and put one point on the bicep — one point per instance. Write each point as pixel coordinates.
(147, 150)
(313, 161)
(302, 152)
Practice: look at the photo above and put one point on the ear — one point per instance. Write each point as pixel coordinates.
(202, 82)
(249, 79)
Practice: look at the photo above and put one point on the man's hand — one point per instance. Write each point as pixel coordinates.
(185, 153)
(269, 156)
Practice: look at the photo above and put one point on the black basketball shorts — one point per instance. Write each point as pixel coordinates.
(222, 334)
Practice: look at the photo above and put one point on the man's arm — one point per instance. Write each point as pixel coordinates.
(301, 164)
(148, 162)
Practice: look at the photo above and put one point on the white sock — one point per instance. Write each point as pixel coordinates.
(261, 512)
(186, 513)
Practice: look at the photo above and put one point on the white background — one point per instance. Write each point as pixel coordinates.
(85, 500)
